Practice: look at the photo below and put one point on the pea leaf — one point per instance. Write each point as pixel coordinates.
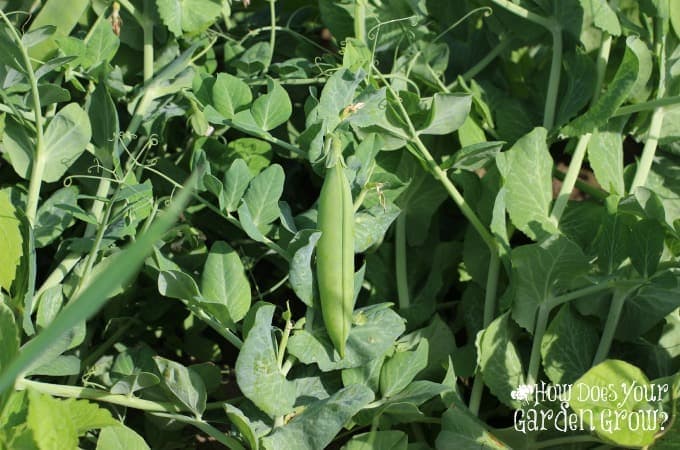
(184, 384)
(230, 95)
(120, 438)
(605, 153)
(273, 108)
(65, 139)
(263, 196)
(224, 280)
(11, 240)
(462, 430)
(300, 272)
(617, 378)
(320, 421)
(540, 272)
(568, 346)
(617, 92)
(374, 330)
(190, 16)
(236, 181)
(257, 371)
(527, 171)
(447, 113)
(499, 360)
(645, 250)
(401, 368)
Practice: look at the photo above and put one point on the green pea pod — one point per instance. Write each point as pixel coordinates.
(335, 256)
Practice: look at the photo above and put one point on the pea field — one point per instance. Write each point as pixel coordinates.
(339, 224)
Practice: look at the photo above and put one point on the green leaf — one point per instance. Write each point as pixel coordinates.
(248, 224)
(401, 368)
(120, 438)
(612, 241)
(617, 92)
(370, 225)
(9, 344)
(17, 147)
(356, 55)
(52, 218)
(255, 152)
(378, 440)
(190, 16)
(540, 272)
(568, 346)
(230, 95)
(129, 384)
(52, 427)
(86, 416)
(224, 280)
(649, 305)
(101, 44)
(474, 157)
(37, 35)
(105, 125)
(580, 76)
(527, 171)
(65, 139)
(301, 275)
(320, 421)
(616, 378)
(499, 359)
(236, 181)
(462, 430)
(603, 16)
(263, 196)
(605, 153)
(183, 383)
(646, 248)
(257, 371)
(374, 330)
(243, 425)
(11, 241)
(176, 284)
(447, 114)
(273, 108)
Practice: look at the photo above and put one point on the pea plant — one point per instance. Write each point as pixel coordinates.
(353, 224)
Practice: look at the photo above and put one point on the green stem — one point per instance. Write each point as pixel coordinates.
(58, 274)
(267, 137)
(579, 293)
(39, 159)
(612, 322)
(589, 189)
(649, 150)
(476, 394)
(644, 106)
(439, 173)
(272, 36)
(525, 13)
(284, 340)
(58, 390)
(565, 441)
(400, 262)
(147, 29)
(360, 20)
(204, 426)
(115, 337)
(539, 331)
(570, 179)
(554, 80)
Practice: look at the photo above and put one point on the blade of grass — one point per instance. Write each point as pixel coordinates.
(125, 266)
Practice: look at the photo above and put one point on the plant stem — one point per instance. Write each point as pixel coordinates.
(476, 394)
(524, 13)
(644, 106)
(439, 173)
(59, 390)
(284, 340)
(360, 20)
(570, 178)
(589, 189)
(147, 29)
(649, 150)
(573, 295)
(554, 80)
(272, 36)
(58, 274)
(39, 158)
(400, 262)
(539, 331)
(267, 137)
(612, 322)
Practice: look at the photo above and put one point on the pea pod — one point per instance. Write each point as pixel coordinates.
(335, 255)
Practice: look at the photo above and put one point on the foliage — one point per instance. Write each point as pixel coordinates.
(509, 182)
